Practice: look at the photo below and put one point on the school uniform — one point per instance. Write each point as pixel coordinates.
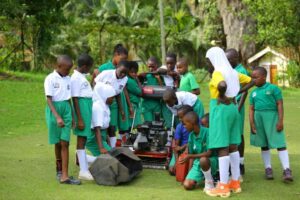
(241, 69)
(150, 106)
(264, 99)
(100, 116)
(134, 92)
(188, 82)
(187, 98)
(224, 119)
(108, 76)
(182, 135)
(59, 88)
(197, 145)
(81, 88)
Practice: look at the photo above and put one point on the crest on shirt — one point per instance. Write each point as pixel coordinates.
(268, 92)
(195, 147)
(108, 83)
(85, 84)
(68, 87)
(254, 94)
(120, 87)
(56, 85)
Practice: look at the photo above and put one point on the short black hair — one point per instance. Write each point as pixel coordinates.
(183, 61)
(125, 63)
(206, 116)
(171, 55)
(64, 58)
(261, 70)
(192, 117)
(85, 59)
(185, 109)
(120, 49)
(154, 59)
(169, 94)
(133, 66)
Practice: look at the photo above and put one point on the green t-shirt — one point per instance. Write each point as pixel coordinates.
(134, 91)
(265, 97)
(188, 82)
(198, 144)
(241, 69)
(106, 66)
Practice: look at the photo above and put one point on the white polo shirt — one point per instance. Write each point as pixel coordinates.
(109, 77)
(183, 98)
(58, 87)
(80, 87)
(168, 80)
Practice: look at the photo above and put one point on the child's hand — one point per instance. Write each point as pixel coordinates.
(73, 124)
(253, 129)
(177, 148)
(123, 117)
(185, 159)
(80, 125)
(279, 126)
(103, 151)
(131, 113)
(60, 122)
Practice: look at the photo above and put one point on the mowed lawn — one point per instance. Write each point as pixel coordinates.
(27, 166)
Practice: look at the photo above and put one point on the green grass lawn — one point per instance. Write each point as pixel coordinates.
(27, 167)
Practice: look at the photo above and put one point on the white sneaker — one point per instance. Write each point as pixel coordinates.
(85, 175)
(209, 185)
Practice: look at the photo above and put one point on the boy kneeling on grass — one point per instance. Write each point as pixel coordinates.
(205, 162)
(59, 116)
(266, 120)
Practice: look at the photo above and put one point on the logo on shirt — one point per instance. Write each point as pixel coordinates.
(56, 85)
(195, 147)
(254, 94)
(85, 84)
(108, 83)
(268, 92)
(121, 87)
(68, 87)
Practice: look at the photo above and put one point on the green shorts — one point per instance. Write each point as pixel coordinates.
(138, 115)
(198, 108)
(224, 127)
(196, 174)
(266, 133)
(167, 115)
(85, 105)
(116, 117)
(150, 107)
(56, 133)
(92, 144)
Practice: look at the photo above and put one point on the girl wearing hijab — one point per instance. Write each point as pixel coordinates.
(224, 120)
(103, 96)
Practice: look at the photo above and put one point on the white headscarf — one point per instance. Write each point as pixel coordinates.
(218, 59)
(102, 92)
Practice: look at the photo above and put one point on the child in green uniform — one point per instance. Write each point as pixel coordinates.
(205, 163)
(188, 82)
(151, 106)
(224, 129)
(233, 58)
(81, 92)
(120, 107)
(266, 120)
(103, 96)
(181, 136)
(59, 116)
(134, 89)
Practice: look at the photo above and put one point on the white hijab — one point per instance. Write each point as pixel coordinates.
(218, 59)
(102, 92)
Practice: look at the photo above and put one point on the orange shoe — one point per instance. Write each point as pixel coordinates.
(221, 190)
(235, 186)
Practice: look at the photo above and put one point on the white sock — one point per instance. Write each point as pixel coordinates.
(266, 156)
(113, 141)
(284, 159)
(90, 159)
(235, 165)
(207, 175)
(224, 169)
(82, 160)
(242, 160)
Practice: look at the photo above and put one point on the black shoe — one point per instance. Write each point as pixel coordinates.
(58, 175)
(242, 169)
(71, 182)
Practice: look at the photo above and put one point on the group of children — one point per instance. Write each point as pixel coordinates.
(212, 142)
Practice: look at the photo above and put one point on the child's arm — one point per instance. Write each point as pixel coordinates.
(247, 86)
(279, 125)
(118, 97)
(80, 124)
(128, 102)
(251, 119)
(99, 140)
(72, 111)
(194, 156)
(159, 80)
(95, 73)
(59, 120)
(196, 91)
(242, 100)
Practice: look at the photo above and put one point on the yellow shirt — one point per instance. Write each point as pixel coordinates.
(217, 77)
